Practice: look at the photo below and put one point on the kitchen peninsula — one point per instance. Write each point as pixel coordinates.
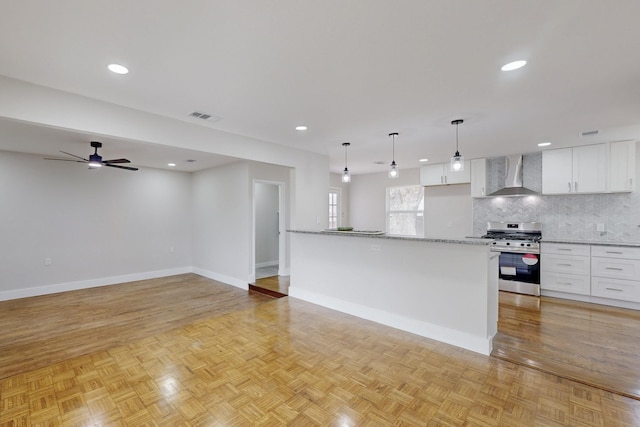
(441, 289)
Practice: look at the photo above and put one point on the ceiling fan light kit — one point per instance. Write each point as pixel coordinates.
(95, 160)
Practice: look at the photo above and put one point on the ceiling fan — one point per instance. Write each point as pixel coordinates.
(95, 160)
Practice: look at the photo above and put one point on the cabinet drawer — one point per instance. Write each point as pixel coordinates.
(615, 252)
(565, 264)
(626, 269)
(626, 290)
(565, 283)
(565, 249)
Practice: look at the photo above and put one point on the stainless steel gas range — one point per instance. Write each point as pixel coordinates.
(519, 247)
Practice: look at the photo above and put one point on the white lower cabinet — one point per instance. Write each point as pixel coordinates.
(615, 273)
(605, 274)
(626, 290)
(570, 283)
(565, 268)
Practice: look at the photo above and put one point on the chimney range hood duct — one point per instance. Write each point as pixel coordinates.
(513, 180)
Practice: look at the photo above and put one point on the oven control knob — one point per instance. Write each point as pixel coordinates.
(508, 243)
(521, 244)
(529, 244)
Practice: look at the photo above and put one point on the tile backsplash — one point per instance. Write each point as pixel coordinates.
(570, 217)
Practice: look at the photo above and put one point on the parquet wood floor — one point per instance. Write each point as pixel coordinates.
(38, 331)
(288, 362)
(590, 343)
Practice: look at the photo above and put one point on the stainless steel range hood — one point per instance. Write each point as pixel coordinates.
(513, 180)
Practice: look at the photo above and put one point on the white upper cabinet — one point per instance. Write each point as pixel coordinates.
(440, 174)
(575, 170)
(478, 177)
(622, 166)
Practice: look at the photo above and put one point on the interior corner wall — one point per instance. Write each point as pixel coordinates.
(96, 227)
(222, 223)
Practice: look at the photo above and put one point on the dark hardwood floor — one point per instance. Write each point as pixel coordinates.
(275, 286)
(589, 343)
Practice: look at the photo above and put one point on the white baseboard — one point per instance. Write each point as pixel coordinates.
(238, 283)
(632, 305)
(91, 283)
(449, 336)
(266, 263)
(282, 271)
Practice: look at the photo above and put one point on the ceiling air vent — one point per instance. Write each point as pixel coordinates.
(204, 116)
(589, 133)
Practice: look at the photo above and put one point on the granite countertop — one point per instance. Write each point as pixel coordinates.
(382, 235)
(593, 242)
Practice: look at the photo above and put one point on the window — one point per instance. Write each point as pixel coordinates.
(335, 194)
(405, 210)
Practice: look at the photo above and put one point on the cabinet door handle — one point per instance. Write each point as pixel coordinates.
(630, 183)
(483, 191)
(565, 249)
(569, 186)
(564, 283)
(441, 179)
(613, 252)
(566, 265)
(614, 289)
(575, 186)
(613, 268)
(445, 179)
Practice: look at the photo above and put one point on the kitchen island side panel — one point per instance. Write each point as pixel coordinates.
(443, 291)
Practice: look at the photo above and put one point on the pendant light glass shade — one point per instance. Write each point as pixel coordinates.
(394, 171)
(457, 161)
(346, 175)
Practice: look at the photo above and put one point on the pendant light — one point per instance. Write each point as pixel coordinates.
(394, 172)
(457, 161)
(346, 175)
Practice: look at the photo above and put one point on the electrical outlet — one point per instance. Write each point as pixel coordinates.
(600, 227)
(47, 261)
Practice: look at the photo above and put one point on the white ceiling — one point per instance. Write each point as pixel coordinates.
(350, 70)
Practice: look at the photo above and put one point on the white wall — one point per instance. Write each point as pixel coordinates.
(368, 197)
(267, 224)
(49, 107)
(97, 226)
(448, 209)
(222, 223)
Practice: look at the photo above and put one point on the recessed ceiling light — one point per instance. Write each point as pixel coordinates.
(513, 65)
(301, 128)
(171, 164)
(118, 69)
(544, 144)
(423, 160)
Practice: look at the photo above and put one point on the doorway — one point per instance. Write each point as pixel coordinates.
(270, 271)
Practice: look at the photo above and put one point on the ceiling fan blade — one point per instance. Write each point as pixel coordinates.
(73, 155)
(65, 160)
(117, 161)
(121, 167)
